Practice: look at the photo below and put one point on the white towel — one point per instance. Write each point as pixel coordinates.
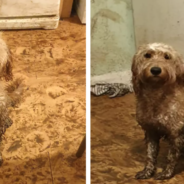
(112, 84)
(111, 89)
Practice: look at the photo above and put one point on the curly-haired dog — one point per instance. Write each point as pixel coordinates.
(5, 73)
(157, 77)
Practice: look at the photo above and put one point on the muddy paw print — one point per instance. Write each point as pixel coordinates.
(37, 142)
(55, 91)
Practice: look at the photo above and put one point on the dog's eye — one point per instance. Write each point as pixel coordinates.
(147, 55)
(166, 56)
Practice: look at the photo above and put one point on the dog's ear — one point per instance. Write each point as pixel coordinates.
(135, 81)
(179, 68)
(7, 68)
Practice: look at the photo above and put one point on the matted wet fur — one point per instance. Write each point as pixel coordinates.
(157, 76)
(5, 61)
(6, 97)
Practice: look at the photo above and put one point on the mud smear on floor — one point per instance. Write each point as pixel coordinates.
(118, 149)
(49, 124)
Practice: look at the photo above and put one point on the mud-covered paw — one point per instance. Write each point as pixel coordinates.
(145, 174)
(163, 175)
(9, 122)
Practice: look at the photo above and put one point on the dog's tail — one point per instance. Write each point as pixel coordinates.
(10, 96)
(14, 91)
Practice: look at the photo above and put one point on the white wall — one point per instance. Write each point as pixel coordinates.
(81, 10)
(112, 36)
(159, 21)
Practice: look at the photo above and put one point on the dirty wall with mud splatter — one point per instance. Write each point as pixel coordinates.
(112, 36)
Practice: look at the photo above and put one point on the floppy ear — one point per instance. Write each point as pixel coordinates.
(179, 68)
(7, 68)
(135, 81)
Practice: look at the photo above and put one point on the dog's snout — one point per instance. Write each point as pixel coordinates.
(156, 70)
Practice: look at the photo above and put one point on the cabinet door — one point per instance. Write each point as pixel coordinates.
(28, 8)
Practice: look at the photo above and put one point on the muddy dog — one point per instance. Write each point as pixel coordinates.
(157, 77)
(5, 73)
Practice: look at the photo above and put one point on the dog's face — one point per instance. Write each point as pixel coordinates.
(155, 64)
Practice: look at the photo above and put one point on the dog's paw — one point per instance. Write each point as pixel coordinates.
(163, 175)
(145, 174)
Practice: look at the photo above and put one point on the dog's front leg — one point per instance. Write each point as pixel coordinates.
(172, 158)
(152, 152)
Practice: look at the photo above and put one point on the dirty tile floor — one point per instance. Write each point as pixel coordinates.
(49, 123)
(117, 144)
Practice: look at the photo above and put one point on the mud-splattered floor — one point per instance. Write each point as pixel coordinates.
(118, 148)
(49, 124)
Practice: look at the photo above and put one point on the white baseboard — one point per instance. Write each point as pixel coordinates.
(29, 23)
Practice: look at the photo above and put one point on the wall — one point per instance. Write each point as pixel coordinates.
(112, 36)
(159, 21)
(81, 10)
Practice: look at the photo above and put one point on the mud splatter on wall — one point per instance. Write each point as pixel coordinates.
(112, 36)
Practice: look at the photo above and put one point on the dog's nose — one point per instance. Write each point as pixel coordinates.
(156, 70)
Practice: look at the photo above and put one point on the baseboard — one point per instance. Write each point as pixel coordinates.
(29, 23)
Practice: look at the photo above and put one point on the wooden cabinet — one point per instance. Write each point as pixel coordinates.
(65, 8)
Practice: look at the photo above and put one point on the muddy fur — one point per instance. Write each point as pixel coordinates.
(14, 90)
(9, 93)
(6, 61)
(157, 76)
